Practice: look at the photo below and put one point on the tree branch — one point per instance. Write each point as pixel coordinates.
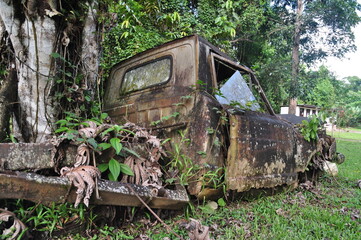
(241, 40)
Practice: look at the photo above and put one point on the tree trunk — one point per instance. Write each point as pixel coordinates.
(33, 39)
(7, 101)
(36, 29)
(296, 58)
(8, 84)
(90, 50)
(293, 106)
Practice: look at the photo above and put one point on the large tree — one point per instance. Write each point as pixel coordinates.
(321, 28)
(48, 52)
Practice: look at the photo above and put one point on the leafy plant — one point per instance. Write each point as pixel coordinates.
(90, 136)
(50, 218)
(70, 124)
(221, 202)
(112, 233)
(223, 115)
(310, 128)
(75, 99)
(180, 162)
(115, 168)
(214, 178)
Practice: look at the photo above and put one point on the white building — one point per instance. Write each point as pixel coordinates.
(302, 110)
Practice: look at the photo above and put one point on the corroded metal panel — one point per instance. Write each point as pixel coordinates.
(264, 152)
(38, 188)
(203, 119)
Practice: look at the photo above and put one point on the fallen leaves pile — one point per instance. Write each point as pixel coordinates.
(129, 144)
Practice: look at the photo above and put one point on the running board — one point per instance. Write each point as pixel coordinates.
(38, 188)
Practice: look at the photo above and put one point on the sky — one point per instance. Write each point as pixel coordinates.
(351, 64)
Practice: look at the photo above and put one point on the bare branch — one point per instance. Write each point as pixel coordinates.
(154, 214)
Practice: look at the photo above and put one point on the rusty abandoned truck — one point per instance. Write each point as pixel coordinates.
(186, 86)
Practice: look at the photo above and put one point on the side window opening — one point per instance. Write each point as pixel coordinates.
(234, 87)
(147, 75)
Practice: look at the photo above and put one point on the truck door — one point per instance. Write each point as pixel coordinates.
(262, 148)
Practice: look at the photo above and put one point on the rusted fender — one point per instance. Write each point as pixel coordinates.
(29, 156)
(264, 152)
(38, 188)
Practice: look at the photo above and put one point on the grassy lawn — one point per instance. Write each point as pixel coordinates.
(329, 211)
(355, 128)
(351, 168)
(346, 135)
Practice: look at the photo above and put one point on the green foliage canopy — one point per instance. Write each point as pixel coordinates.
(259, 34)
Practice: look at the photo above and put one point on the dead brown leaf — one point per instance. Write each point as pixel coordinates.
(308, 185)
(354, 213)
(83, 178)
(145, 150)
(142, 237)
(282, 213)
(83, 155)
(87, 132)
(145, 173)
(16, 228)
(196, 231)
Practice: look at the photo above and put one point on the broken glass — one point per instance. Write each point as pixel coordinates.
(236, 92)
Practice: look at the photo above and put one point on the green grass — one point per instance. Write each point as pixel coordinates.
(358, 128)
(345, 135)
(330, 211)
(351, 168)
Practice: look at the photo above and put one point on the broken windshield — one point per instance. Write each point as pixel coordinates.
(236, 92)
(233, 85)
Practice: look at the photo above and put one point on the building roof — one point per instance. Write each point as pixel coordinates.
(305, 106)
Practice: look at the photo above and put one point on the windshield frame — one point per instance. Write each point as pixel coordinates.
(243, 70)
